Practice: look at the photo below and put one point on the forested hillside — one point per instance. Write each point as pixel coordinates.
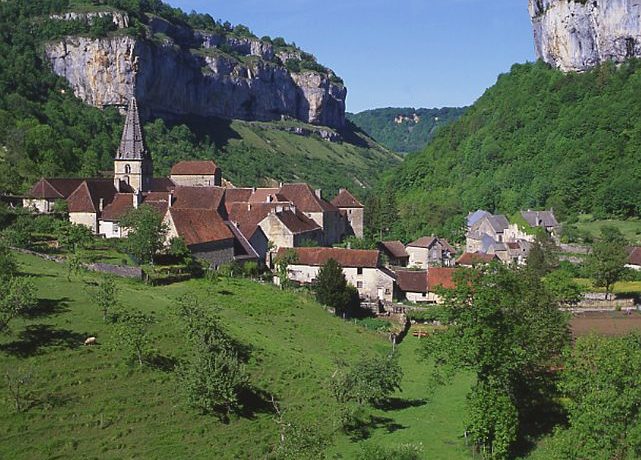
(404, 130)
(46, 131)
(538, 138)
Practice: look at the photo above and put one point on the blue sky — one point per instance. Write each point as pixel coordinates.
(399, 53)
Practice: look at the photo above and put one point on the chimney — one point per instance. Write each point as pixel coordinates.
(341, 190)
(319, 193)
(117, 184)
(170, 199)
(137, 198)
(280, 185)
(249, 206)
(270, 198)
(279, 209)
(101, 204)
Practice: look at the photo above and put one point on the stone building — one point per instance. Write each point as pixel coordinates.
(196, 174)
(46, 192)
(353, 212)
(395, 252)
(430, 251)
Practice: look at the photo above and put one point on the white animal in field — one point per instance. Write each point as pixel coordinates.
(91, 341)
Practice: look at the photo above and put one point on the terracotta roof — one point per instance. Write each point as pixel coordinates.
(424, 242)
(52, 189)
(243, 250)
(198, 197)
(86, 198)
(345, 199)
(352, 258)
(469, 259)
(634, 256)
(440, 277)
(238, 195)
(162, 184)
(121, 204)
(194, 168)
(305, 199)
(247, 216)
(199, 226)
(297, 222)
(395, 248)
(412, 281)
(266, 195)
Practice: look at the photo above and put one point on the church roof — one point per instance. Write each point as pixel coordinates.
(132, 145)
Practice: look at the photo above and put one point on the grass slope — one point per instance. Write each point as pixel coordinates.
(94, 405)
(90, 403)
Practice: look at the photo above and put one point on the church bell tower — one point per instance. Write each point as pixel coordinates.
(133, 165)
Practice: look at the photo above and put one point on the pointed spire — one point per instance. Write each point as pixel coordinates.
(132, 146)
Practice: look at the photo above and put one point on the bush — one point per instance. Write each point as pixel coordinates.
(374, 324)
(400, 452)
(432, 314)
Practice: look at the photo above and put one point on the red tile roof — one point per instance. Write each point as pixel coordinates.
(198, 197)
(53, 189)
(395, 248)
(634, 257)
(199, 226)
(124, 202)
(440, 277)
(86, 198)
(351, 258)
(162, 184)
(194, 168)
(247, 216)
(345, 199)
(412, 281)
(305, 199)
(238, 195)
(265, 195)
(297, 223)
(477, 258)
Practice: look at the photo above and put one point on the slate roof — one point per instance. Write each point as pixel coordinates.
(200, 226)
(469, 259)
(540, 218)
(86, 198)
(194, 168)
(394, 248)
(132, 145)
(345, 199)
(412, 281)
(347, 258)
(53, 189)
(305, 199)
(476, 216)
(427, 242)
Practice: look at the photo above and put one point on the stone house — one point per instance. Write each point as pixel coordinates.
(430, 251)
(207, 236)
(423, 286)
(352, 211)
(109, 222)
(196, 174)
(43, 195)
(634, 258)
(87, 202)
(482, 225)
(395, 253)
(543, 219)
(361, 268)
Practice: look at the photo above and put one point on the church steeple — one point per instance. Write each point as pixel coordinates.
(133, 165)
(132, 145)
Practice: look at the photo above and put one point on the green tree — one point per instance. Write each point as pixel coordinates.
(214, 375)
(561, 285)
(146, 232)
(332, 290)
(18, 384)
(282, 263)
(17, 296)
(507, 329)
(107, 296)
(251, 269)
(370, 381)
(607, 261)
(74, 236)
(178, 249)
(543, 257)
(133, 331)
(8, 263)
(600, 381)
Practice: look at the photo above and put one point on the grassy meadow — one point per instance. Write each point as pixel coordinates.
(630, 228)
(89, 402)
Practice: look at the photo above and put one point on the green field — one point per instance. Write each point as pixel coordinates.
(88, 402)
(631, 228)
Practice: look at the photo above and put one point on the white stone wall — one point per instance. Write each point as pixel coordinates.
(42, 206)
(203, 180)
(419, 257)
(88, 219)
(111, 230)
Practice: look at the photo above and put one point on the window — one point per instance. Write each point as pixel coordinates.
(116, 227)
(127, 169)
(359, 285)
(359, 271)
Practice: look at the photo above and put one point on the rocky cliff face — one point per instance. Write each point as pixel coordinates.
(575, 35)
(179, 72)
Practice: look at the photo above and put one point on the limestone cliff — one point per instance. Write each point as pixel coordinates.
(177, 72)
(575, 35)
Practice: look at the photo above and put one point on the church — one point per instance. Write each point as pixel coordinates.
(218, 223)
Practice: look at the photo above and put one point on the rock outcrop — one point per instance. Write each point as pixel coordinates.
(576, 35)
(178, 72)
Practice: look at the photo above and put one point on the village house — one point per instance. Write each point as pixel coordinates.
(634, 258)
(423, 286)
(395, 253)
(430, 251)
(543, 219)
(361, 268)
(474, 259)
(219, 224)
